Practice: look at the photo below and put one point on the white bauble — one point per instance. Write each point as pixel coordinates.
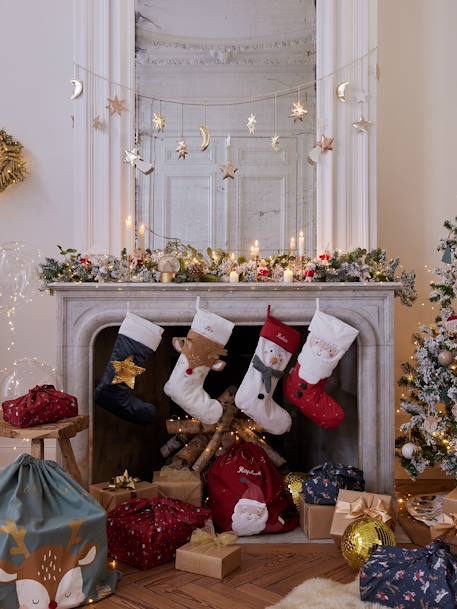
(445, 358)
(408, 450)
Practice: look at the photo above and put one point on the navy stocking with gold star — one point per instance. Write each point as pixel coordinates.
(138, 338)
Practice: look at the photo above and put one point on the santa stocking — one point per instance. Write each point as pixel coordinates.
(328, 340)
(200, 352)
(137, 340)
(276, 345)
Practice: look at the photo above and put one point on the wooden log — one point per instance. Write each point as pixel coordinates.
(184, 426)
(190, 452)
(249, 436)
(222, 426)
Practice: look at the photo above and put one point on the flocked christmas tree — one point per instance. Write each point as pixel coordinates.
(430, 380)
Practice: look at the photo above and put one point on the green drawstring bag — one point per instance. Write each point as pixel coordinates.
(53, 549)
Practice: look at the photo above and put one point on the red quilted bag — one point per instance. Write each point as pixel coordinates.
(42, 404)
(145, 533)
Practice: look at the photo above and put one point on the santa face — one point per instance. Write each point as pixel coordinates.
(322, 348)
(249, 517)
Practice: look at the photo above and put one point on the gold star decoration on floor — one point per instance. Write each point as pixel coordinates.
(126, 371)
(159, 122)
(229, 171)
(116, 106)
(298, 111)
(97, 123)
(362, 125)
(182, 150)
(275, 142)
(251, 124)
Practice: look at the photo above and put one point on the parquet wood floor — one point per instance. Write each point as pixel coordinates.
(267, 573)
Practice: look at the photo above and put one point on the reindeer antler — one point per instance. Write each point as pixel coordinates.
(10, 528)
(75, 526)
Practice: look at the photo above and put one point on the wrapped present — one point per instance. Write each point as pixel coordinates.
(327, 479)
(442, 526)
(145, 533)
(209, 554)
(412, 579)
(316, 520)
(120, 489)
(181, 484)
(450, 502)
(53, 547)
(42, 404)
(353, 504)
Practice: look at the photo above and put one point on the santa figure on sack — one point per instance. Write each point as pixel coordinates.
(250, 514)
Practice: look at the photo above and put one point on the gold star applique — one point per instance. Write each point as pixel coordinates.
(159, 122)
(251, 124)
(97, 123)
(229, 171)
(126, 371)
(182, 150)
(275, 143)
(298, 111)
(116, 106)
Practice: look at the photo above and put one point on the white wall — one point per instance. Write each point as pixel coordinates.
(417, 127)
(36, 59)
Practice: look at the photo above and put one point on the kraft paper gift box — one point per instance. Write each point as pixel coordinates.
(111, 498)
(450, 502)
(209, 554)
(422, 534)
(351, 505)
(178, 484)
(316, 520)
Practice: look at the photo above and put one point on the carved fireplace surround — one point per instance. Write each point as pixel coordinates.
(86, 309)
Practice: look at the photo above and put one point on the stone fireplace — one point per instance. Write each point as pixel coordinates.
(88, 317)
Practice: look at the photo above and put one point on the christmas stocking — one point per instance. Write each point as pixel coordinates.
(277, 344)
(199, 353)
(328, 340)
(137, 340)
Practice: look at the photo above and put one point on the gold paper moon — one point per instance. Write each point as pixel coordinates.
(341, 91)
(78, 87)
(206, 138)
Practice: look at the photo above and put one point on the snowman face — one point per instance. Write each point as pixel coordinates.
(323, 349)
(272, 355)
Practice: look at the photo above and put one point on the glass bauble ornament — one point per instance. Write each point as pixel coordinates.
(25, 374)
(293, 482)
(445, 358)
(408, 450)
(363, 537)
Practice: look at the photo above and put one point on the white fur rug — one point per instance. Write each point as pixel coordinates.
(319, 593)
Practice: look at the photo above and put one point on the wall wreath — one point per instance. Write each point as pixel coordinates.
(13, 167)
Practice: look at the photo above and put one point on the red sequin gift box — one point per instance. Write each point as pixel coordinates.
(42, 404)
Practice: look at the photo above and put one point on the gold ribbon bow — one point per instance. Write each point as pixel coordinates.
(207, 538)
(376, 508)
(448, 525)
(168, 473)
(123, 482)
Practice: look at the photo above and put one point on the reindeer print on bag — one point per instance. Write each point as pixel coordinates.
(50, 577)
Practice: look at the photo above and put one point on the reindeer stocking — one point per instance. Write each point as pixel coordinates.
(138, 339)
(200, 352)
(277, 344)
(328, 340)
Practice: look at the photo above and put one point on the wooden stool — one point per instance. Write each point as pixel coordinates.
(61, 431)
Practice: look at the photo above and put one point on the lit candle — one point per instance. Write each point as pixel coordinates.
(288, 276)
(252, 252)
(141, 238)
(301, 244)
(130, 237)
(292, 246)
(234, 277)
(256, 248)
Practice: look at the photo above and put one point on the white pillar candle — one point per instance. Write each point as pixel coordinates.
(301, 244)
(234, 277)
(129, 235)
(252, 252)
(292, 246)
(288, 276)
(141, 238)
(256, 248)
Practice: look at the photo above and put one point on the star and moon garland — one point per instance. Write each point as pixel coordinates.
(13, 167)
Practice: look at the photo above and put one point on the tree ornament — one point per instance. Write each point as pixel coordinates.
(229, 171)
(445, 358)
(126, 371)
(132, 157)
(77, 88)
(275, 143)
(451, 324)
(251, 124)
(408, 450)
(97, 123)
(13, 167)
(116, 106)
(206, 138)
(298, 111)
(362, 538)
(293, 482)
(341, 95)
(159, 122)
(182, 150)
(430, 424)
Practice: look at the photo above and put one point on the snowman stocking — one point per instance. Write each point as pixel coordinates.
(199, 353)
(277, 344)
(138, 338)
(328, 340)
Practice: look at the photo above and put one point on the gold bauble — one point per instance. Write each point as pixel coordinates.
(293, 482)
(362, 537)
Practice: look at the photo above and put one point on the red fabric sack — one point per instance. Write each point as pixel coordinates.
(42, 404)
(145, 533)
(241, 484)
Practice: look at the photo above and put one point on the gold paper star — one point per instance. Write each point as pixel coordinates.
(326, 143)
(298, 111)
(116, 106)
(159, 122)
(126, 371)
(229, 171)
(275, 143)
(362, 125)
(182, 150)
(251, 124)
(131, 156)
(97, 123)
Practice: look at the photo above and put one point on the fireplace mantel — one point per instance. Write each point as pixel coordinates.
(86, 309)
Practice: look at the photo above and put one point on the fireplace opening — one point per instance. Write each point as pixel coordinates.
(119, 445)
